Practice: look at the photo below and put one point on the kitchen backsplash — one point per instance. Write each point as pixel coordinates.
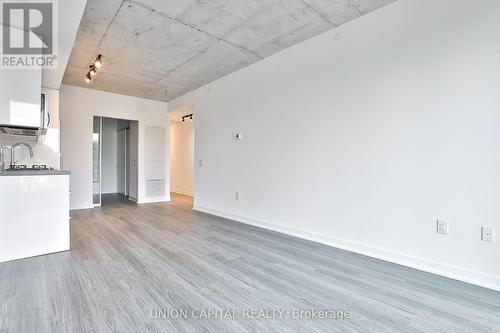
(46, 149)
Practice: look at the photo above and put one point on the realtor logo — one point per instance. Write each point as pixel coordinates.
(29, 34)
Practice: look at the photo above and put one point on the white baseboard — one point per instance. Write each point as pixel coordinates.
(182, 192)
(153, 200)
(83, 207)
(456, 273)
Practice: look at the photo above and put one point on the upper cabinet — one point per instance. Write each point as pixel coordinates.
(20, 91)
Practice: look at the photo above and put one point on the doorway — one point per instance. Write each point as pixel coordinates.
(182, 162)
(115, 147)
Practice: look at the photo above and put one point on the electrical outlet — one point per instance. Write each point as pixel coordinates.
(237, 195)
(488, 234)
(200, 163)
(442, 227)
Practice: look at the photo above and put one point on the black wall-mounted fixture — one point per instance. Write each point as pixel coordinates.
(190, 116)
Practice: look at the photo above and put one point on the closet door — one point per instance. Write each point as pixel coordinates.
(156, 148)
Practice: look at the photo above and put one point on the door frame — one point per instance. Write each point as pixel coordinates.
(126, 167)
(133, 170)
(100, 164)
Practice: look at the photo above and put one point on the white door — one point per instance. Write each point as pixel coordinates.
(156, 161)
(121, 160)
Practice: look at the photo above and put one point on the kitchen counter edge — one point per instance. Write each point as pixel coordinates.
(35, 173)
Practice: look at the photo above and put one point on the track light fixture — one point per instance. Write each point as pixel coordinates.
(93, 67)
(190, 116)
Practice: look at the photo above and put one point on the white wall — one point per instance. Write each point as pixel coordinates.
(78, 106)
(109, 156)
(182, 157)
(363, 136)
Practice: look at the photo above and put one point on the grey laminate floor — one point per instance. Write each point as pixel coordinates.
(127, 261)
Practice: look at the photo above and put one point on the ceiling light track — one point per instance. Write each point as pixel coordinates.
(93, 68)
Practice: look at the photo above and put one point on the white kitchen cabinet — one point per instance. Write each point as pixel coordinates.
(34, 215)
(20, 91)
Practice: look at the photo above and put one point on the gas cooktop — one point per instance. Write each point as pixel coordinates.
(22, 167)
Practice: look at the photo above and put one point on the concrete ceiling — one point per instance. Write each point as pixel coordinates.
(161, 49)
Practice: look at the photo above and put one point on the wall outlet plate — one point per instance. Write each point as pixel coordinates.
(442, 227)
(237, 195)
(488, 234)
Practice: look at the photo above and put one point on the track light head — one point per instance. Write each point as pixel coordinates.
(190, 116)
(98, 61)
